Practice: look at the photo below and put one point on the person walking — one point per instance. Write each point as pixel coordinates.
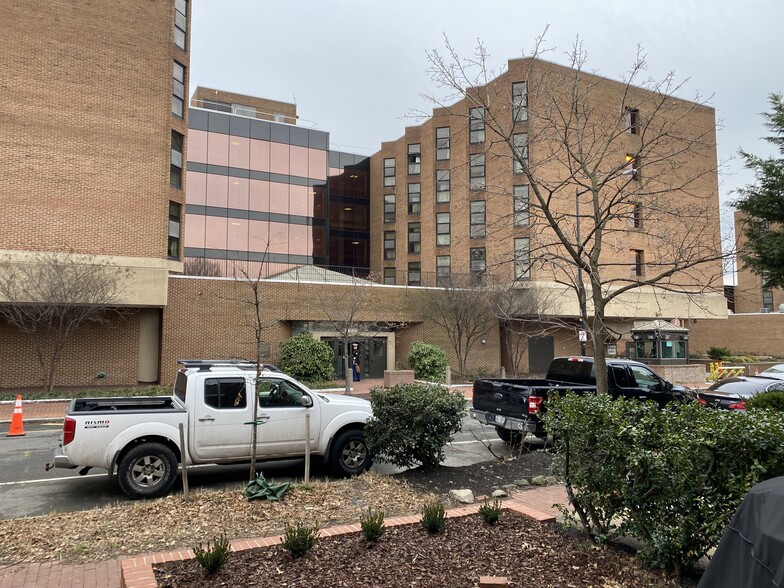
(355, 368)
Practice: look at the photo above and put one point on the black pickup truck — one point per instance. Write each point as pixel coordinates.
(514, 405)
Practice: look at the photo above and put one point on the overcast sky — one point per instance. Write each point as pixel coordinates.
(358, 67)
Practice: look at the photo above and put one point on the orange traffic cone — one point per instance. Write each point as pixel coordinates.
(17, 424)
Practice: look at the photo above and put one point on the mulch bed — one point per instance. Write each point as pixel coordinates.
(527, 552)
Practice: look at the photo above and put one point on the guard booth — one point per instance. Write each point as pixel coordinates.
(661, 343)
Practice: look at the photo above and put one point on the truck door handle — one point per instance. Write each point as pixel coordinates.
(264, 416)
(207, 418)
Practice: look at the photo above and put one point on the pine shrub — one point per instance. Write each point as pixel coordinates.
(433, 517)
(372, 524)
(212, 556)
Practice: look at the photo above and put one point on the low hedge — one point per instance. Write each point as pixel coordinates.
(671, 478)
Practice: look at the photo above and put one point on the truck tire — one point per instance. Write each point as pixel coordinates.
(147, 470)
(513, 438)
(349, 455)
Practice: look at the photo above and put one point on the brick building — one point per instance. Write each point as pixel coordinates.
(98, 146)
(449, 202)
(92, 150)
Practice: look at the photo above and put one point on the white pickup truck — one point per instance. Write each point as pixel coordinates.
(139, 436)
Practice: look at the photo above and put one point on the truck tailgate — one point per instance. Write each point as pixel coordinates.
(508, 397)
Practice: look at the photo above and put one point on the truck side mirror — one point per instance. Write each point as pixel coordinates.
(306, 401)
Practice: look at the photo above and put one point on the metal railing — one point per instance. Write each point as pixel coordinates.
(251, 112)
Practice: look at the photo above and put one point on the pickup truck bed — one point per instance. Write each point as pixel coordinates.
(128, 404)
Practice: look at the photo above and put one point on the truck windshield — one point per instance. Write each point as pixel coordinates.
(180, 385)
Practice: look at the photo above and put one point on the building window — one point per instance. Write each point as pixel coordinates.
(443, 186)
(638, 267)
(478, 219)
(476, 125)
(635, 216)
(414, 238)
(478, 265)
(632, 166)
(414, 273)
(443, 230)
(175, 172)
(389, 172)
(414, 158)
(178, 90)
(175, 219)
(520, 142)
(522, 215)
(180, 23)
(389, 208)
(443, 271)
(389, 276)
(767, 300)
(632, 121)
(414, 198)
(442, 143)
(389, 244)
(477, 172)
(519, 101)
(522, 258)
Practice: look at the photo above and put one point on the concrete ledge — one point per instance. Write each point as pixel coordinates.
(394, 377)
(138, 572)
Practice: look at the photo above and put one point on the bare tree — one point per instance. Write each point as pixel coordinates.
(621, 178)
(462, 307)
(53, 295)
(201, 266)
(343, 315)
(249, 286)
(524, 311)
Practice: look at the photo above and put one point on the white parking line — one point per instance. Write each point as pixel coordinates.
(60, 479)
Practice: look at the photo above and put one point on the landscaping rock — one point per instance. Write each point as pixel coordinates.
(523, 482)
(552, 480)
(499, 494)
(539, 481)
(465, 496)
(510, 488)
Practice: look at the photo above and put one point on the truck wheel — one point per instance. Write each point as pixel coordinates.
(513, 438)
(147, 471)
(349, 456)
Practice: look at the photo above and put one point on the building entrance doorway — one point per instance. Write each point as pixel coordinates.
(371, 351)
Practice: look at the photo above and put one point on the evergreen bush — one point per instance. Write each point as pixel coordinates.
(670, 478)
(305, 358)
(412, 423)
(429, 362)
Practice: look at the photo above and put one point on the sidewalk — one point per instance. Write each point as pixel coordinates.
(106, 574)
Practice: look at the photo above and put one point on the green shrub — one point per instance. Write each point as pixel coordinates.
(212, 556)
(429, 362)
(372, 524)
(490, 513)
(412, 423)
(719, 353)
(433, 517)
(305, 358)
(298, 539)
(773, 400)
(670, 478)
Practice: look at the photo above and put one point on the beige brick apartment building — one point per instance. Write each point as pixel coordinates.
(94, 149)
(450, 200)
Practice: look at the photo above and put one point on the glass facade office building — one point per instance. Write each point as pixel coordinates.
(271, 196)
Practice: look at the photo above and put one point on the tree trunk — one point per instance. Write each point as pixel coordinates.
(348, 370)
(597, 342)
(255, 430)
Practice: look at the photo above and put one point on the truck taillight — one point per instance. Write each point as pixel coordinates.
(69, 430)
(534, 403)
(702, 401)
(737, 406)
